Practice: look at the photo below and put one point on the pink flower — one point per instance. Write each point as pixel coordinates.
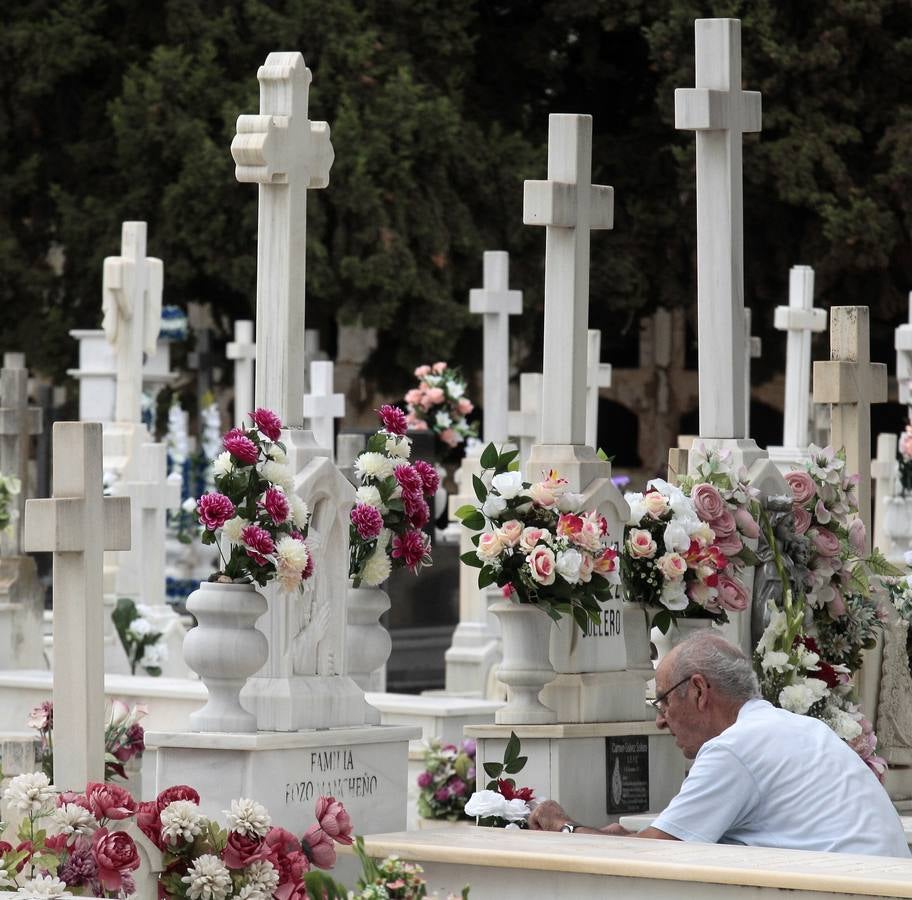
(267, 422)
(415, 423)
(42, 717)
(393, 419)
(746, 523)
(412, 548)
(408, 478)
(606, 563)
(413, 397)
(242, 850)
(732, 594)
(435, 396)
(72, 797)
(133, 743)
(825, 542)
(569, 525)
(802, 485)
(729, 544)
(464, 406)
(115, 856)
(723, 524)
(214, 510)
(258, 542)
(241, 447)
(421, 371)
(319, 847)
(416, 509)
(334, 819)
(449, 437)
(367, 520)
(836, 607)
(857, 536)
(177, 792)
(439, 368)
(708, 502)
(430, 480)
(290, 862)
(424, 779)
(275, 503)
(108, 801)
(541, 565)
(802, 519)
(510, 532)
(149, 822)
(640, 544)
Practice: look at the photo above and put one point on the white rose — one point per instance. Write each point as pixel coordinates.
(490, 803)
(508, 484)
(674, 596)
(568, 565)
(493, 506)
(676, 537)
(637, 504)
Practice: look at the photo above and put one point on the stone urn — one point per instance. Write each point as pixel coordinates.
(898, 521)
(526, 666)
(681, 629)
(225, 649)
(636, 634)
(367, 642)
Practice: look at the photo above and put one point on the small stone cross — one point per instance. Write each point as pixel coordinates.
(525, 423)
(851, 383)
(904, 359)
(496, 302)
(243, 351)
(598, 375)
(287, 155)
(720, 112)
(18, 422)
(569, 206)
(77, 525)
(800, 319)
(131, 302)
(321, 406)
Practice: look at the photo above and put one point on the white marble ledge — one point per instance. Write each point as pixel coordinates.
(281, 740)
(581, 730)
(431, 705)
(121, 685)
(716, 864)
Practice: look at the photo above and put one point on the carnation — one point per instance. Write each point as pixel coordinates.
(241, 447)
(258, 543)
(412, 548)
(207, 879)
(247, 817)
(429, 477)
(373, 465)
(276, 505)
(214, 510)
(267, 423)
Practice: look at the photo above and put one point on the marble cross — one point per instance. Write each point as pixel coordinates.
(321, 406)
(719, 111)
(18, 422)
(904, 359)
(851, 383)
(598, 375)
(243, 351)
(131, 302)
(800, 319)
(525, 423)
(753, 348)
(286, 154)
(569, 206)
(496, 302)
(77, 525)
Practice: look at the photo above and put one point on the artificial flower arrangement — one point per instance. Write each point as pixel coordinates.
(439, 403)
(9, 487)
(391, 504)
(536, 544)
(446, 782)
(141, 642)
(124, 737)
(502, 804)
(255, 510)
(685, 547)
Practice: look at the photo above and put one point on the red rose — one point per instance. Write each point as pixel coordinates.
(333, 818)
(509, 791)
(133, 743)
(176, 792)
(149, 821)
(319, 847)
(108, 801)
(241, 851)
(115, 855)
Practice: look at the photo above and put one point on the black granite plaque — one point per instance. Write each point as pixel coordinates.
(627, 774)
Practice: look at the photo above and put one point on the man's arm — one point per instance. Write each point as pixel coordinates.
(550, 816)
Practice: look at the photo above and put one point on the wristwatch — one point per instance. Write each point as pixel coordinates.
(569, 827)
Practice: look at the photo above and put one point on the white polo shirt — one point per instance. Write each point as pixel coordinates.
(776, 779)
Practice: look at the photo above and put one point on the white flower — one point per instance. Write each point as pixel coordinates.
(493, 506)
(208, 879)
(154, 655)
(490, 803)
(140, 627)
(369, 495)
(377, 568)
(222, 464)
(777, 627)
(43, 886)
(807, 659)
(570, 502)
(508, 484)
(676, 537)
(443, 419)
(568, 565)
(189, 505)
(800, 697)
(847, 727)
(292, 553)
(71, 819)
(262, 880)
(637, 503)
(399, 446)
(674, 596)
(775, 660)
(233, 528)
(181, 820)
(247, 817)
(276, 453)
(300, 511)
(30, 793)
(278, 473)
(455, 389)
(373, 465)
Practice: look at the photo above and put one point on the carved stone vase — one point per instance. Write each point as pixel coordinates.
(681, 629)
(636, 634)
(367, 642)
(526, 666)
(225, 649)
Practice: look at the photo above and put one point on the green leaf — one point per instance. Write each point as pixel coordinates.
(506, 458)
(489, 457)
(474, 522)
(486, 577)
(493, 769)
(471, 559)
(517, 764)
(481, 492)
(466, 510)
(512, 750)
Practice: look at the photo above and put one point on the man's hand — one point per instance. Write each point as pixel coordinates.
(615, 829)
(548, 816)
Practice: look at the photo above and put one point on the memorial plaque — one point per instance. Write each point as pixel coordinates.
(600, 648)
(627, 774)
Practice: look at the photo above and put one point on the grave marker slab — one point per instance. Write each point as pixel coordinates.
(904, 358)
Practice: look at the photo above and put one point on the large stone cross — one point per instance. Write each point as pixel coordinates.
(321, 406)
(800, 319)
(496, 302)
(719, 111)
(131, 302)
(851, 383)
(569, 206)
(243, 351)
(598, 375)
(77, 525)
(904, 359)
(18, 422)
(287, 155)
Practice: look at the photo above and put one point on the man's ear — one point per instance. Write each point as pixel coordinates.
(702, 688)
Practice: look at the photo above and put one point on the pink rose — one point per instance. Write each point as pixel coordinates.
(733, 595)
(510, 532)
(656, 504)
(115, 855)
(857, 536)
(435, 396)
(708, 502)
(241, 850)
(531, 536)
(640, 544)
(724, 524)
(802, 519)
(825, 542)
(108, 801)
(729, 544)
(421, 371)
(541, 565)
(267, 422)
(464, 406)
(672, 565)
(416, 424)
(802, 485)
(449, 437)
(439, 368)
(490, 546)
(319, 847)
(606, 563)
(413, 397)
(334, 819)
(746, 523)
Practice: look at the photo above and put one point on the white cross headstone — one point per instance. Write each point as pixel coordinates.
(753, 348)
(321, 406)
(719, 111)
(904, 359)
(496, 302)
(884, 476)
(598, 375)
(131, 302)
(243, 351)
(525, 423)
(77, 525)
(800, 319)
(286, 154)
(569, 206)
(850, 382)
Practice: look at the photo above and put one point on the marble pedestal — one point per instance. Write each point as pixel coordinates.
(596, 771)
(364, 767)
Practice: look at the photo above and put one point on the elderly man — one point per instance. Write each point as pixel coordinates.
(761, 775)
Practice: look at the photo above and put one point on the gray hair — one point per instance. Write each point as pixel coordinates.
(720, 662)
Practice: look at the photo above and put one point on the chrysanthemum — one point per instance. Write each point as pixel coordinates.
(207, 879)
(233, 527)
(247, 817)
(377, 568)
(181, 820)
(30, 793)
(42, 887)
(373, 465)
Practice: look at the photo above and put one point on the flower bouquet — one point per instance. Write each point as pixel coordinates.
(536, 544)
(255, 511)
(439, 403)
(391, 505)
(502, 804)
(446, 782)
(141, 642)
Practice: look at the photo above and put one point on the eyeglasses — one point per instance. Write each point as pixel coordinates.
(661, 701)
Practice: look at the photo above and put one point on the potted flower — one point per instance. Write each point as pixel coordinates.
(260, 528)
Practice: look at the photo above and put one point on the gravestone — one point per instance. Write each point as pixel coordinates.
(78, 524)
(598, 375)
(243, 351)
(524, 424)
(322, 407)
